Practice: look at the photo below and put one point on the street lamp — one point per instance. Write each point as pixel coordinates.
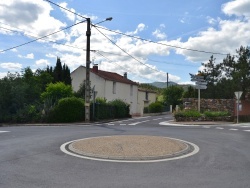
(87, 82)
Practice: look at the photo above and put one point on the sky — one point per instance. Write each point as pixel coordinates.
(146, 39)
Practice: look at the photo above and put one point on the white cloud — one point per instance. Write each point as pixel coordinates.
(68, 14)
(3, 74)
(139, 28)
(28, 56)
(159, 34)
(42, 62)
(17, 13)
(11, 66)
(237, 7)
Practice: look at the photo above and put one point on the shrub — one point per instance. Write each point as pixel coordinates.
(187, 113)
(216, 113)
(57, 91)
(155, 107)
(121, 108)
(70, 109)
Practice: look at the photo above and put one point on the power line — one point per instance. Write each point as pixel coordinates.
(40, 37)
(125, 51)
(98, 52)
(65, 9)
(168, 45)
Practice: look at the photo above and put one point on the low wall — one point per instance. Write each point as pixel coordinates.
(211, 104)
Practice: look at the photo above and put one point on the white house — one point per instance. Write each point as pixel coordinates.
(145, 98)
(109, 85)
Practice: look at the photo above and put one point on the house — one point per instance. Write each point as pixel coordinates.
(145, 98)
(109, 85)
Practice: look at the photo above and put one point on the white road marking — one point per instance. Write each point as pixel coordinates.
(245, 126)
(247, 130)
(123, 124)
(207, 127)
(110, 124)
(157, 119)
(219, 127)
(233, 129)
(4, 131)
(138, 122)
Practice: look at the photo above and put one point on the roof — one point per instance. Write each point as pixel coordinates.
(146, 90)
(113, 77)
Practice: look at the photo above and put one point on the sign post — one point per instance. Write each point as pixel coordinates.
(200, 84)
(238, 95)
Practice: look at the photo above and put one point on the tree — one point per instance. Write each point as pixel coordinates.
(172, 95)
(211, 72)
(237, 68)
(56, 91)
(190, 93)
(58, 71)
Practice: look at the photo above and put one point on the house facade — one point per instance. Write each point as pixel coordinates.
(145, 98)
(109, 86)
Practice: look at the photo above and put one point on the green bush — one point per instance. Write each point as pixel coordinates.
(155, 107)
(216, 113)
(70, 109)
(146, 110)
(57, 91)
(121, 108)
(187, 113)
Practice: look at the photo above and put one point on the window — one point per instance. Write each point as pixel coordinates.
(146, 95)
(131, 90)
(114, 87)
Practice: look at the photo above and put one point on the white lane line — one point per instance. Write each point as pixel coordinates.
(219, 128)
(207, 127)
(110, 124)
(4, 131)
(123, 124)
(233, 129)
(157, 119)
(247, 130)
(142, 117)
(138, 122)
(245, 126)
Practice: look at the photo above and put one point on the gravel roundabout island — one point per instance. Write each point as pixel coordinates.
(129, 147)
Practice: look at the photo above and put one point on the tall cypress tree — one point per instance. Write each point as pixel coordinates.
(58, 71)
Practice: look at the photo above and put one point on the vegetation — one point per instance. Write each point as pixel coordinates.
(155, 107)
(173, 95)
(69, 109)
(232, 74)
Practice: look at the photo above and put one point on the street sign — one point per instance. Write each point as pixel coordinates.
(201, 83)
(201, 87)
(196, 76)
(238, 94)
(197, 80)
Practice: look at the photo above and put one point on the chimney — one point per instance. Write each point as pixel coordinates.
(125, 75)
(95, 68)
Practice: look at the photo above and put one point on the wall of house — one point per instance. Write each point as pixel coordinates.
(142, 102)
(123, 92)
(104, 88)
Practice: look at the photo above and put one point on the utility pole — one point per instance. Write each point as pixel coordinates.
(87, 83)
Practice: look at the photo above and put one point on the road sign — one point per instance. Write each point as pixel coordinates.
(197, 80)
(201, 83)
(196, 76)
(201, 87)
(238, 94)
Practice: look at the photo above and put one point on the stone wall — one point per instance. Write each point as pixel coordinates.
(210, 104)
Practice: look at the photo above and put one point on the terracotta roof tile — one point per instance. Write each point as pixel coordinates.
(113, 77)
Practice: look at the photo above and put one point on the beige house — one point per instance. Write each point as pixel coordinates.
(145, 98)
(109, 85)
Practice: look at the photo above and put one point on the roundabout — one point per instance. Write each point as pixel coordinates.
(130, 148)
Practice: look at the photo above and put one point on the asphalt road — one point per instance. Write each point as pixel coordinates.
(30, 157)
